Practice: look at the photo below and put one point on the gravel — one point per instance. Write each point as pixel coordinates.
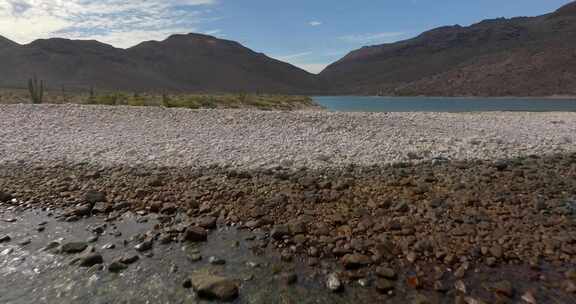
(256, 139)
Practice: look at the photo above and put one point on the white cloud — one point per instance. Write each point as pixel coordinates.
(121, 23)
(373, 37)
(292, 56)
(315, 23)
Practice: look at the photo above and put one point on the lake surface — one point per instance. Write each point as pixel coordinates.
(443, 104)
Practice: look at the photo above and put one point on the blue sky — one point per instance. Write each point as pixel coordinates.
(307, 33)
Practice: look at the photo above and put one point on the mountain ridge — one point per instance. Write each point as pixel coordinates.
(520, 56)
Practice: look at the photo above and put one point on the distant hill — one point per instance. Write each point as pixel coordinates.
(525, 56)
(191, 62)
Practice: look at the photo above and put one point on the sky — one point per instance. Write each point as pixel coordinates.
(307, 33)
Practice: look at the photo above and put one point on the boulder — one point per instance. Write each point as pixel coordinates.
(213, 287)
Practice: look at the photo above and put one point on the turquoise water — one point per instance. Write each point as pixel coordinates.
(443, 104)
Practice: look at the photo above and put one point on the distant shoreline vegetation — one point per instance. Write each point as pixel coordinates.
(240, 100)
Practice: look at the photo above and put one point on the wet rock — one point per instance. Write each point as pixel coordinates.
(91, 259)
(216, 261)
(387, 273)
(10, 220)
(109, 246)
(288, 278)
(355, 261)
(279, 231)
(207, 222)
(102, 207)
(92, 239)
(25, 242)
(51, 246)
(214, 287)
(5, 238)
(383, 285)
(5, 197)
(144, 246)
(92, 197)
(129, 259)
(253, 224)
(117, 267)
(195, 234)
(333, 282)
(73, 247)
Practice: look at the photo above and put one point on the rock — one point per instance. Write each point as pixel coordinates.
(93, 197)
(355, 261)
(439, 286)
(73, 247)
(214, 287)
(333, 282)
(25, 242)
(81, 210)
(51, 246)
(144, 246)
(195, 257)
(387, 273)
(570, 274)
(288, 278)
(195, 234)
(91, 259)
(109, 246)
(411, 257)
(169, 208)
(253, 224)
(5, 238)
(207, 222)
(503, 288)
(570, 286)
(117, 267)
(496, 251)
(460, 286)
(401, 207)
(129, 259)
(279, 231)
(101, 207)
(5, 197)
(383, 285)
(10, 220)
(216, 261)
(529, 298)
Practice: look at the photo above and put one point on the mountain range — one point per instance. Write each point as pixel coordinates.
(523, 56)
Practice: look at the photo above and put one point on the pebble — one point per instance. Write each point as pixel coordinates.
(91, 259)
(117, 267)
(129, 259)
(5, 238)
(195, 234)
(333, 282)
(209, 286)
(144, 246)
(73, 247)
(216, 261)
(383, 285)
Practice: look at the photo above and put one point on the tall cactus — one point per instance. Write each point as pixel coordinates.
(36, 90)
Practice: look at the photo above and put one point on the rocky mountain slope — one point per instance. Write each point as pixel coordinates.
(191, 62)
(524, 56)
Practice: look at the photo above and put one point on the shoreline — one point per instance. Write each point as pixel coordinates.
(433, 225)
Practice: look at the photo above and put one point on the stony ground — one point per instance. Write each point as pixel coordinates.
(482, 211)
(255, 139)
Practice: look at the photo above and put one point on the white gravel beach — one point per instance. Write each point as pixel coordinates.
(51, 134)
